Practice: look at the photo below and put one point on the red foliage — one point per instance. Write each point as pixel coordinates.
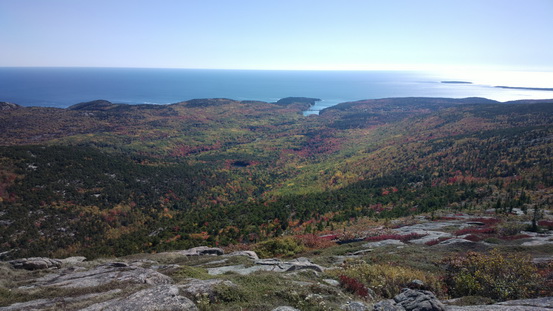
(436, 241)
(472, 237)
(402, 238)
(314, 241)
(515, 237)
(329, 237)
(546, 223)
(354, 286)
(475, 230)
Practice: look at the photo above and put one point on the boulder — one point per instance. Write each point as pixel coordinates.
(202, 251)
(301, 264)
(412, 300)
(35, 263)
(418, 300)
(250, 254)
(158, 298)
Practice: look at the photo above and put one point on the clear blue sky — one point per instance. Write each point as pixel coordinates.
(283, 34)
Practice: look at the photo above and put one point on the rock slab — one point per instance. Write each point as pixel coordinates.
(159, 298)
(102, 275)
(35, 263)
(203, 251)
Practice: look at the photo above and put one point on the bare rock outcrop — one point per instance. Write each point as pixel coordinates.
(203, 251)
(250, 254)
(5, 106)
(537, 304)
(158, 298)
(35, 263)
(411, 300)
(102, 275)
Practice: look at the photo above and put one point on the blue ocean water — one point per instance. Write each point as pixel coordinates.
(62, 87)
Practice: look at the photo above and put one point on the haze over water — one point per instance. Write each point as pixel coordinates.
(63, 87)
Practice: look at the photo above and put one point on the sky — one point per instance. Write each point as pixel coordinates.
(282, 35)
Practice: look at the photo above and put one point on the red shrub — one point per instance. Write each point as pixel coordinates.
(354, 286)
(515, 237)
(402, 238)
(314, 241)
(472, 237)
(546, 223)
(475, 230)
(436, 241)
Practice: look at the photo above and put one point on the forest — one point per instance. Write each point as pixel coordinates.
(104, 179)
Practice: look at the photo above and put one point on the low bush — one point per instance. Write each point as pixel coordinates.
(279, 247)
(500, 277)
(546, 223)
(473, 238)
(436, 241)
(353, 286)
(388, 280)
(314, 241)
(469, 230)
(186, 272)
(515, 237)
(509, 229)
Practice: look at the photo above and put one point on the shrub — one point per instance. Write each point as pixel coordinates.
(285, 246)
(353, 286)
(436, 241)
(191, 272)
(473, 238)
(509, 229)
(494, 275)
(388, 280)
(475, 230)
(226, 293)
(314, 241)
(515, 237)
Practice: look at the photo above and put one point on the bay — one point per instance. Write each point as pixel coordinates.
(63, 87)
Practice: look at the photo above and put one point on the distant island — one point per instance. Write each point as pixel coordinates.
(525, 88)
(456, 82)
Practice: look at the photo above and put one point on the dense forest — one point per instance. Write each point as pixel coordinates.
(102, 179)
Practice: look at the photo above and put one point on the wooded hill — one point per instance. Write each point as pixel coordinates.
(107, 179)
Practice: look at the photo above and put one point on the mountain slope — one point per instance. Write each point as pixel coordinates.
(107, 179)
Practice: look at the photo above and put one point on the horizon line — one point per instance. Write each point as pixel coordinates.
(427, 67)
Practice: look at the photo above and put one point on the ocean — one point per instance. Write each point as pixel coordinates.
(63, 87)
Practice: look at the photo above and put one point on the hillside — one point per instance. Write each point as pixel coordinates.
(391, 189)
(219, 171)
